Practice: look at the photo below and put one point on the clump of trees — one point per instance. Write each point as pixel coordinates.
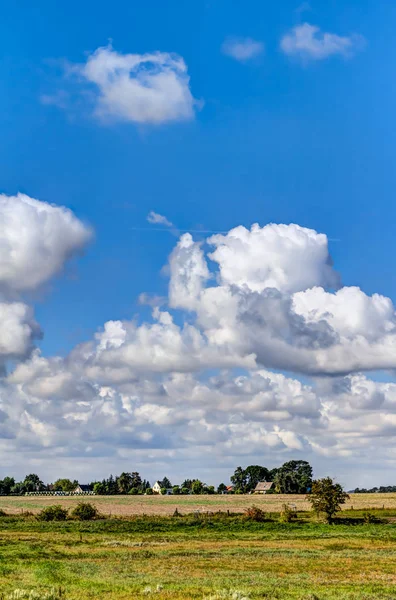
(31, 483)
(326, 497)
(126, 483)
(293, 477)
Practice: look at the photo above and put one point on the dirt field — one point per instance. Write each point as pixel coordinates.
(166, 505)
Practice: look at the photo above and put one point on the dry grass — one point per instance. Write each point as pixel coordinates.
(166, 505)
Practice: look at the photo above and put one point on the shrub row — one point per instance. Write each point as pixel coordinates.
(84, 511)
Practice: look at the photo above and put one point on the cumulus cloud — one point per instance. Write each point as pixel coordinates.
(289, 258)
(242, 49)
(18, 330)
(140, 88)
(193, 383)
(309, 42)
(59, 405)
(36, 239)
(157, 219)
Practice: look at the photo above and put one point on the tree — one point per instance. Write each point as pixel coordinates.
(221, 488)
(6, 485)
(165, 483)
(33, 483)
(100, 488)
(187, 483)
(253, 475)
(294, 477)
(245, 480)
(65, 485)
(326, 497)
(197, 486)
(176, 490)
(111, 486)
(136, 479)
(124, 483)
(239, 479)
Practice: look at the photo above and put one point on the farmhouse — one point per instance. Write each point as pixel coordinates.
(263, 487)
(157, 489)
(83, 489)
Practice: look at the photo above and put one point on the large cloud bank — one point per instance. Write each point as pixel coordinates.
(194, 386)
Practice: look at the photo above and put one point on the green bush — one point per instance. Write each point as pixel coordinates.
(84, 511)
(287, 515)
(53, 513)
(149, 492)
(133, 491)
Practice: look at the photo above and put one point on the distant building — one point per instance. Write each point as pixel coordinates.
(157, 489)
(83, 489)
(263, 487)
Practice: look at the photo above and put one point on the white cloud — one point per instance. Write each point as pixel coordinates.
(36, 239)
(157, 219)
(141, 88)
(289, 258)
(242, 49)
(309, 42)
(192, 385)
(274, 301)
(18, 330)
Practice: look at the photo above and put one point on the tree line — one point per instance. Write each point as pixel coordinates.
(388, 489)
(293, 477)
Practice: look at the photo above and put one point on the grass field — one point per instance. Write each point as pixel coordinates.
(166, 505)
(199, 556)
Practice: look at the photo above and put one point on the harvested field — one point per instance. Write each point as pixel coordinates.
(166, 505)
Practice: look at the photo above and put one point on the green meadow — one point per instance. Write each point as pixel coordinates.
(200, 557)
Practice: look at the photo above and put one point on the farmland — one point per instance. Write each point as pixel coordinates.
(166, 505)
(200, 556)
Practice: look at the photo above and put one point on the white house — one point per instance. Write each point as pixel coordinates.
(158, 490)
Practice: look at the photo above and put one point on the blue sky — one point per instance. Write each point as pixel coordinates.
(274, 141)
(275, 138)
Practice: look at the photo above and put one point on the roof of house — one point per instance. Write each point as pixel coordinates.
(263, 486)
(84, 488)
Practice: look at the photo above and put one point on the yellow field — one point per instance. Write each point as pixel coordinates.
(166, 505)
